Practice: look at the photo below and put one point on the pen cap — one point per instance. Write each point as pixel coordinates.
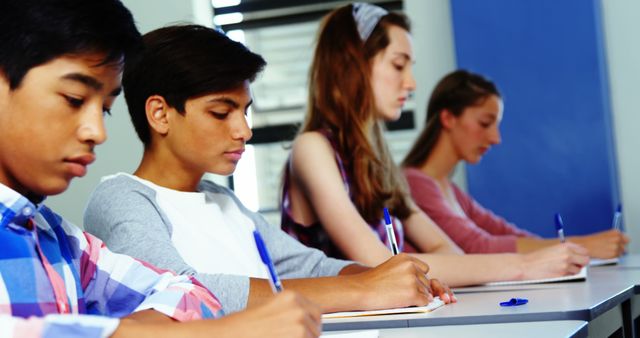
(387, 218)
(559, 223)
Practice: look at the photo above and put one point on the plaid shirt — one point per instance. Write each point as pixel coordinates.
(56, 269)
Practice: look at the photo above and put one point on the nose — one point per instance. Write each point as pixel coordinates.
(241, 130)
(410, 82)
(91, 129)
(495, 137)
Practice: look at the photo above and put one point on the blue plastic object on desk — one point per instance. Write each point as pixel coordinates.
(515, 302)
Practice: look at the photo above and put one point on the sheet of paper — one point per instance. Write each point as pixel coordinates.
(355, 334)
(600, 262)
(414, 309)
(582, 275)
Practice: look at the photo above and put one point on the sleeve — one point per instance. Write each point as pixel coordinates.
(133, 225)
(51, 326)
(486, 219)
(292, 258)
(462, 230)
(116, 285)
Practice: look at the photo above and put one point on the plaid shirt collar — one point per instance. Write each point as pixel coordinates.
(16, 210)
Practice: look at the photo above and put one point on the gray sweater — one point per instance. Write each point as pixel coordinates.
(124, 213)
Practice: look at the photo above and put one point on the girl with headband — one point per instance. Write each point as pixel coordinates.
(340, 174)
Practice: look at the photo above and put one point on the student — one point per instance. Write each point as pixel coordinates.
(360, 77)
(463, 117)
(188, 96)
(60, 68)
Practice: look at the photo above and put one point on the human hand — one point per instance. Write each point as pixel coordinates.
(399, 282)
(605, 244)
(287, 315)
(558, 260)
(443, 291)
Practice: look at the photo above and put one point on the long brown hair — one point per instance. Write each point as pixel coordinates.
(455, 92)
(341, 101)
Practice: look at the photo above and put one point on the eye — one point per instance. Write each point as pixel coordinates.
(73, 101)
(485, 124)
(398, 67)
(106, 111)
(219, 116)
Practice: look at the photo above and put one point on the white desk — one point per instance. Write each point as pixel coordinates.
(552, 329)
(603, 300)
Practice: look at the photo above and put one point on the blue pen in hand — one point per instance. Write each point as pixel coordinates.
(616, 218)
(560, 227)
(276, 285)
(390, 233)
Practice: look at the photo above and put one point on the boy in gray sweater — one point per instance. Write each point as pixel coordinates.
(187, 96)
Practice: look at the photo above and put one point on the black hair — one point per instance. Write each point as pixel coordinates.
(183, 62)
(455, 92)
(34, 32)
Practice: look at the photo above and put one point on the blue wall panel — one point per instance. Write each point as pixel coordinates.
(557, 155)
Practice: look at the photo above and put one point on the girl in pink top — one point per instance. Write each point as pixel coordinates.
(463, 117)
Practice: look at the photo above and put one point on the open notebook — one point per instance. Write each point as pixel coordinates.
(582, 275)
(600, 262)
(354, 334)
(414, 309)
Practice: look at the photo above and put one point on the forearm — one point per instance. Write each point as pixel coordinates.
(529, 244)
(195, 329)
(332, 294)
(464, 270)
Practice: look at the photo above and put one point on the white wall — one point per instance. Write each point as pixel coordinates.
(435, 55)
(123, 150)
(622, 29)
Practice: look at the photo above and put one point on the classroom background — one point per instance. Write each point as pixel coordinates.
(568, 72)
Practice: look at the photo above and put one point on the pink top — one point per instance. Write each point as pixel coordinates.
(477, 231)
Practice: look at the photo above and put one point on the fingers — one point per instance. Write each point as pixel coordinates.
(442, 290)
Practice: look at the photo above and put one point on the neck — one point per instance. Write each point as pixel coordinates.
(162, 168)
(441, 162)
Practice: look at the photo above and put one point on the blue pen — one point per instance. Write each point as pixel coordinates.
(276, 285)
(616, 218)
(560, 227)
(390, 233)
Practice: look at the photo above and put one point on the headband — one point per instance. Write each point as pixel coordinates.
(367, 17)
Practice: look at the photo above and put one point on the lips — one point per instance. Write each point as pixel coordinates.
(234, 155)
(77, 165)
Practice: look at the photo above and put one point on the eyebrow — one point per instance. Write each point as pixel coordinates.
(405, 55)
(229, 101)
(90, 82)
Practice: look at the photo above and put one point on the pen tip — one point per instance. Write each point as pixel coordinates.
(387, 218)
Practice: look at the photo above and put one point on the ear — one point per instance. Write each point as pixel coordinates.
(447, 119)
(156, 109)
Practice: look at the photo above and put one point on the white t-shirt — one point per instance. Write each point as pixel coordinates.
(224, 235)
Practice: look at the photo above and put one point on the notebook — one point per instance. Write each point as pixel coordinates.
(355, 334)
(582, 275)
(600, 262)
(436, 303)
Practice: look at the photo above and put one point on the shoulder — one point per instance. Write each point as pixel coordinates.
(416, 177)
(310, 140)
(118, 193)
(120, 184)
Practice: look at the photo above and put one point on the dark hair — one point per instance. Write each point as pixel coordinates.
(341, 100)
(35, 32)
(182, 62)
(455, 92)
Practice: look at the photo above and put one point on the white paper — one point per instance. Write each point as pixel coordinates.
(436, 303)
(582, 275)
(355, 334)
